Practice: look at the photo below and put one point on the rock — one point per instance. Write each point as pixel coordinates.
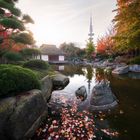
(7, 106)
(28, 113)
(102, 97)
(98, 64)
(81, 93)
(120, 65)
(134, 68)
(60, 81)
(46, 87)
(121, 70)
(104, 64)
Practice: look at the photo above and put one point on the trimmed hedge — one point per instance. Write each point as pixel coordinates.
(135, 60)
(15, 80)
(36, 64)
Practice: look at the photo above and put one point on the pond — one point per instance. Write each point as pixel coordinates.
(70, 117)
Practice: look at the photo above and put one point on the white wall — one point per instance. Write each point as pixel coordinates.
(45, 57)
(61, 58)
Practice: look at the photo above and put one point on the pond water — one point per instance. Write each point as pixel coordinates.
(70, 117)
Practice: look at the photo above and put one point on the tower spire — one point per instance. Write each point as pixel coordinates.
(91, 29)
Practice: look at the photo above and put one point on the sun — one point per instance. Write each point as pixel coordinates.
(45, 33)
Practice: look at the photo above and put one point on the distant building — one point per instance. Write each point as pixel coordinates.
(52, 54)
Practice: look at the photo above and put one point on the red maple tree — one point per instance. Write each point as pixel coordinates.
(105, 43)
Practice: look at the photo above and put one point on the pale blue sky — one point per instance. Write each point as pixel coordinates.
(58, 21)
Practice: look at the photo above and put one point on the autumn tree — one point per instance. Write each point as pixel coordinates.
(105, 44)
(127, 25)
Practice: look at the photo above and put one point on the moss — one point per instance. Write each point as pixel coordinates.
(15, 79)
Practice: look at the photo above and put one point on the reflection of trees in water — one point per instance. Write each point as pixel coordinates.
(71, 70)
(100, 75)
(89, 73)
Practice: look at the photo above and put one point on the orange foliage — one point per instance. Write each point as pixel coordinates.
(7, 43)
(104, 44)
(123, 3)
(10, 45)
(4, 34)
(18, 47)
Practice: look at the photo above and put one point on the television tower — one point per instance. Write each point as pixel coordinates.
(91, 30)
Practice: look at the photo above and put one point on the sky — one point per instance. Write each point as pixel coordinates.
(58, 21)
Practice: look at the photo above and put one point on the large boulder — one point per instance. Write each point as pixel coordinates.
(60, 81)
(134, 68)
(102, 97)
(7, 106)
(46, 87)
(20, 116)
(81, 93)
(121, 70)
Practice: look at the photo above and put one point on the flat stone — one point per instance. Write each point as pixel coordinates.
(60, 81)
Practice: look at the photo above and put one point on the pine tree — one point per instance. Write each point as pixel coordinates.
(12, 23)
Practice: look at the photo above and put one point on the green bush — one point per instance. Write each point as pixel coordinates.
(13, 56)
(15, 79)
(135, 60)
(18, 63)
(36, 64)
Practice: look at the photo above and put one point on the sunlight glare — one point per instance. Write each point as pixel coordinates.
(45, 33)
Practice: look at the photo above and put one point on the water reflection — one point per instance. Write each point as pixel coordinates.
(69, 70)
(61, 68)
(129, 75)
(70, 118)
(89, 73)
(100, 75)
